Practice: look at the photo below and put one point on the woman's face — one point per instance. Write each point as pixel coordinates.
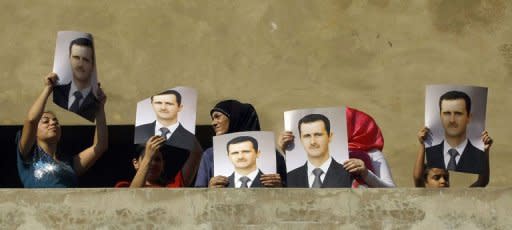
(220, 123)
(48, 128)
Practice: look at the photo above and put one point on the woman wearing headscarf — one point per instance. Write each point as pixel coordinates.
(232, 116)
(365, 143)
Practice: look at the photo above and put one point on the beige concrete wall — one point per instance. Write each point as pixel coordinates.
(375, 55)
(256, 209)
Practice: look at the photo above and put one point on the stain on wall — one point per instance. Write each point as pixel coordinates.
(459, 16)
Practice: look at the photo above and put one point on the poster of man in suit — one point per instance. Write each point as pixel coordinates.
(455, 116)
(243, 157)
(170, 113)
(315, 160)
(75, 65)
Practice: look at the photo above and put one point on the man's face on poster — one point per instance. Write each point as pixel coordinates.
(243, 155)
(454, 117)
(166, 107)
(315, 139)
(82, 64)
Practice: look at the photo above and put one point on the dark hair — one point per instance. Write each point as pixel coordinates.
(426, 170)
(454, 95)
(241, 139)
(50, 112)
(425, 173)
(167, 92)
(139, 151)
(310, 118)
(83, 42)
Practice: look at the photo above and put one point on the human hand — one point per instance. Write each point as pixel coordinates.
(424, 135)
(153, 145)
(355, 166)
(50, 80)
(285, 139)
(271, 180)
(100, 95)
(218, 182)
(487, 140)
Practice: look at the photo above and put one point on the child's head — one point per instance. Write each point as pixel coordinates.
(156, 166)
(436, 178)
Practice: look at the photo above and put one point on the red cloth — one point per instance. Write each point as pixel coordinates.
(363, 135)
(176, 183)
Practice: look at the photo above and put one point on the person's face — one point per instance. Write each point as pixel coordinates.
(81, 62)
(166, 107)
(438, 178)
(220, 123)
(454, 117)
(243, 155)
(48, 128)
(315, 139)
(156, 167)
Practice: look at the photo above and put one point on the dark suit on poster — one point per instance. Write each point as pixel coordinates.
(471, 160)
(89, 105)
(180, 138)
(255, 184)
(176, 150)
(336, 177)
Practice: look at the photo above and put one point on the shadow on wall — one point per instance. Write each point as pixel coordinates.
(113, 166)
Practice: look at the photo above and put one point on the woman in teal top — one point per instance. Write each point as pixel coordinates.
(40, 165)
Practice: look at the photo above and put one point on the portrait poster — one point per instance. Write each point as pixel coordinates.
(61, 61)
(475, 128)
(296, 155)
(225, 166)
(75, 65)
(435, 141)
(146, 116)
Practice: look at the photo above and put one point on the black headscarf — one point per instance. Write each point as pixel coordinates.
(242, 116)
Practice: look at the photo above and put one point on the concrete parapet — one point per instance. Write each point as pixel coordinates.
(255, 208)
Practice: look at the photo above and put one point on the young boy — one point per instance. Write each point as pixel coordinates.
(149, 166)
(439, 178)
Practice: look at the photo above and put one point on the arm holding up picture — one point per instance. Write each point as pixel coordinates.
(181, 150)
(40, 163)
(484, 176)
(366, 161)
(438, 177)
(424, 176)
(88, 157)
(149, 164)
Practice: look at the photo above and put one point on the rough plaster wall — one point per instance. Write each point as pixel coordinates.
(376, 56)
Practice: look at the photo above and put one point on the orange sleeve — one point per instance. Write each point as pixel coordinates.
(122, 184)
(177, 182)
